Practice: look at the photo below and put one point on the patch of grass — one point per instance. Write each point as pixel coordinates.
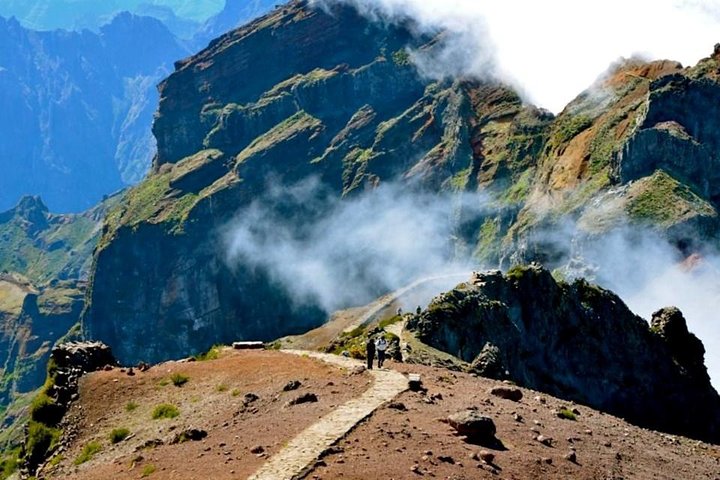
(212, 354)
(664, 201)
(88, 452)
(164, 382)
(567, 414)
(41, 440)
(401, 58)
(235, 392)
(569, 127)
(118, 435)
(9, 463)
(517, 272)
(488, 240)
(165, 410)
(131, 406)
(386, 322)
(148, 470)
(222, 388)
(179, 379)
(55, 461)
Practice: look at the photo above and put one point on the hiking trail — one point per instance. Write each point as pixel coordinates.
(296, 459)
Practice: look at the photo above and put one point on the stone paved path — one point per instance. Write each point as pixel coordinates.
(297, 458)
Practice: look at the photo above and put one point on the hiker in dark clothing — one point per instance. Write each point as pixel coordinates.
(370, 351)
(381, 345)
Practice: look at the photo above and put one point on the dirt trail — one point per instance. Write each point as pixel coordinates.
(388, 300)
(295, 460)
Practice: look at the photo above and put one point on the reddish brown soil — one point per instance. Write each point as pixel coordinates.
(386, 446)
(391, 442)
(211, 400)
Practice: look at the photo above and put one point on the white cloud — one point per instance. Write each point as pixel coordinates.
(554, 49)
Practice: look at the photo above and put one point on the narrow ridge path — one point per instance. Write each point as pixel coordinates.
(370, 315)
(296, 459)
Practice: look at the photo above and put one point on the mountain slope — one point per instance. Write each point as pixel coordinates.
(44, 246)
(397, 440)
(79, 106)
(219, 139)
(341, 102)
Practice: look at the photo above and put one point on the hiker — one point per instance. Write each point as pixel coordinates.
(381, 345)
(370, 351)
(418, 311)
(399, 311)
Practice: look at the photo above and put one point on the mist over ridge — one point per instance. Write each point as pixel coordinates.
(553, 49)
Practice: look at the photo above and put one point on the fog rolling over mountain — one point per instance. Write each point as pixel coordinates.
(551, 49)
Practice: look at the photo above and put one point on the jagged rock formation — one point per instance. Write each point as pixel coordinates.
(341, 100)
(78, 107)
(580, 342)
(68, 362)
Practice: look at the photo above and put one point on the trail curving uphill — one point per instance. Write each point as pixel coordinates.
(296, 459)
(388, 300)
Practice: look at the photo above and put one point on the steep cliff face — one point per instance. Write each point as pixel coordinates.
(638, 148)
(580, 342)
(338, 99)
(305, 93)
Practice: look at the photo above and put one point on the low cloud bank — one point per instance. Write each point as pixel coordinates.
(333, 253)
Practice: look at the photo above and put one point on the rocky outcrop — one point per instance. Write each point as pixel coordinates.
(579, 342)
(68, 363)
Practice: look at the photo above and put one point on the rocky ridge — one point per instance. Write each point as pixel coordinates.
(579, 342)
(341, 101)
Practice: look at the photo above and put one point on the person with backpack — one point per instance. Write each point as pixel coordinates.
(381, 345)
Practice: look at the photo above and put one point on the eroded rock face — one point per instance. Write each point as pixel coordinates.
(580, 342)
(337, 100)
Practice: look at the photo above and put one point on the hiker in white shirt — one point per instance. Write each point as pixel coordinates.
(381, 345)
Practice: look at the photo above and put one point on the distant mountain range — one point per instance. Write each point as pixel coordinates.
(79, 104)
(78, 14)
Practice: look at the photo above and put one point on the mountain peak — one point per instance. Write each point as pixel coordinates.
(31, 208)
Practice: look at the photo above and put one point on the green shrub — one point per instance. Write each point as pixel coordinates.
(178, 379)
(118, 435)
(165, 410)
(212, 354)
(235, 392)
(131, 406)
(566, 414)
(41, 439)
(88, 452)
(43, 409)
(148, 470)
(222, 388)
